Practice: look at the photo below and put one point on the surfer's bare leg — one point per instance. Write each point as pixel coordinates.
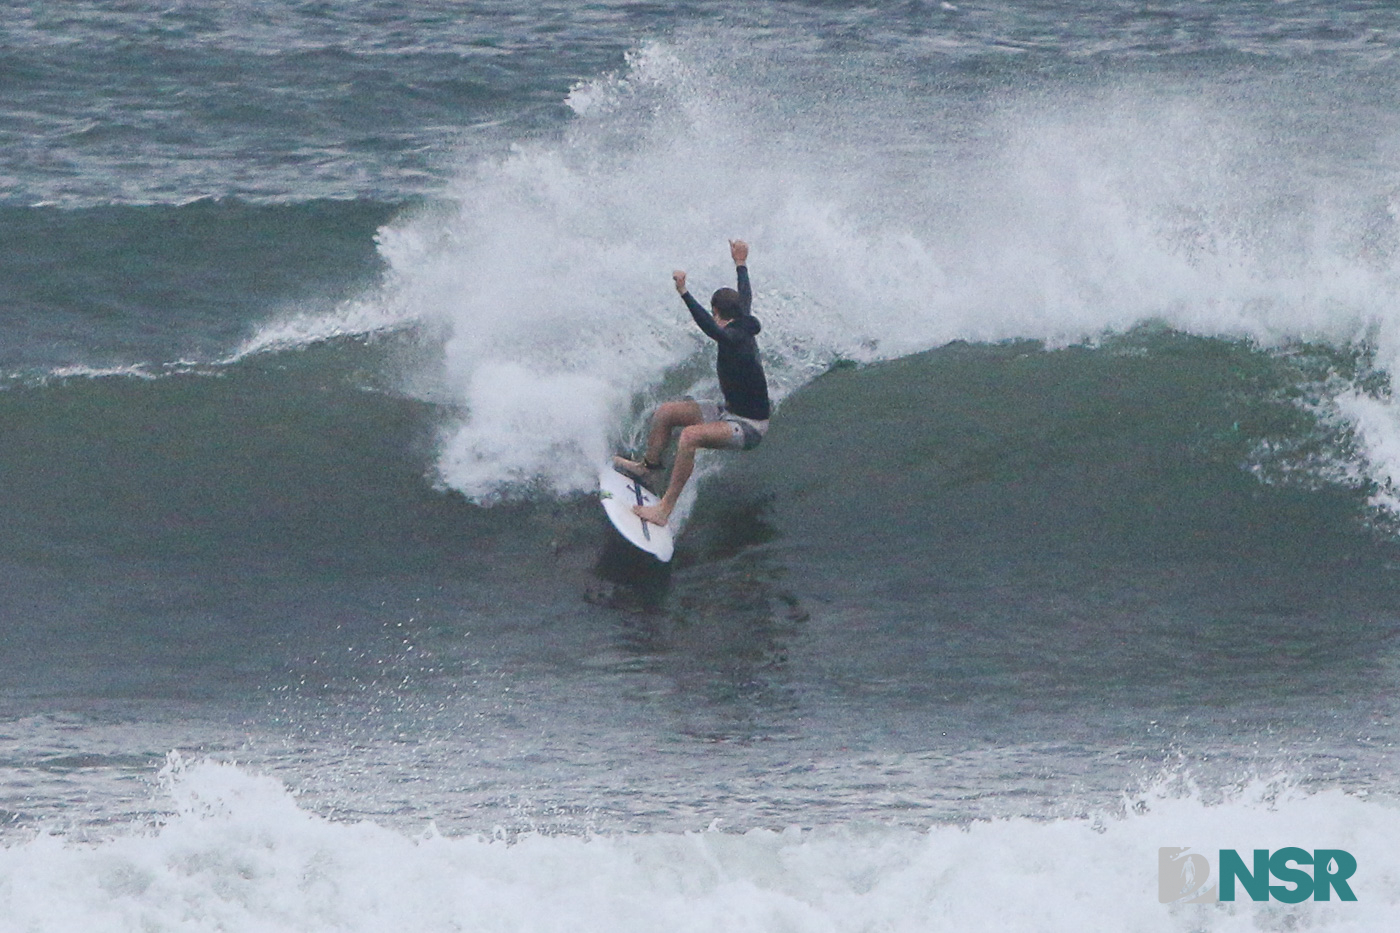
(713, 435)
(664, 420)
(668, 417)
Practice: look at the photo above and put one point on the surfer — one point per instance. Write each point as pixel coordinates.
(737, 423)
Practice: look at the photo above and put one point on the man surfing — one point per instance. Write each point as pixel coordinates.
(737, 423)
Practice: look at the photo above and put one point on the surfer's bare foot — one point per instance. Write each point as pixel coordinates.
(652, 513)
(633, 468)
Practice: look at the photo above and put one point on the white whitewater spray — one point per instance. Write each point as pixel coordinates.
(882, 222)
(551, 281)
(238, 854)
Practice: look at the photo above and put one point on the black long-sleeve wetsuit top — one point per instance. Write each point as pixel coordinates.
(740, 371)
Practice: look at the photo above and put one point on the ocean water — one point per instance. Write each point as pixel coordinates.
(1076, 534)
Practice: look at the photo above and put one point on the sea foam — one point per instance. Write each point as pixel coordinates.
(237, 853)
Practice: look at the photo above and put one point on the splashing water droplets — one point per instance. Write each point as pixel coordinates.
(883, 222)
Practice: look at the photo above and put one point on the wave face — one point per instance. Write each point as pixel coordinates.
(1154, 441)
(136, 288)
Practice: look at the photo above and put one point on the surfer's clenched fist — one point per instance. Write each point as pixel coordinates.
(679, 278)
(740, 251)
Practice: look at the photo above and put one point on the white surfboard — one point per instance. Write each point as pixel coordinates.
(619, 493)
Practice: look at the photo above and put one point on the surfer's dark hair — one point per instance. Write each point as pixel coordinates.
(728, 304)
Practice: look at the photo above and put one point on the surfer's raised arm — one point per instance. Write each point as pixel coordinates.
(739, 250)
(703, 318)
(727, 306)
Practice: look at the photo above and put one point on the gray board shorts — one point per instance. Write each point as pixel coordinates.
(747, 432)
